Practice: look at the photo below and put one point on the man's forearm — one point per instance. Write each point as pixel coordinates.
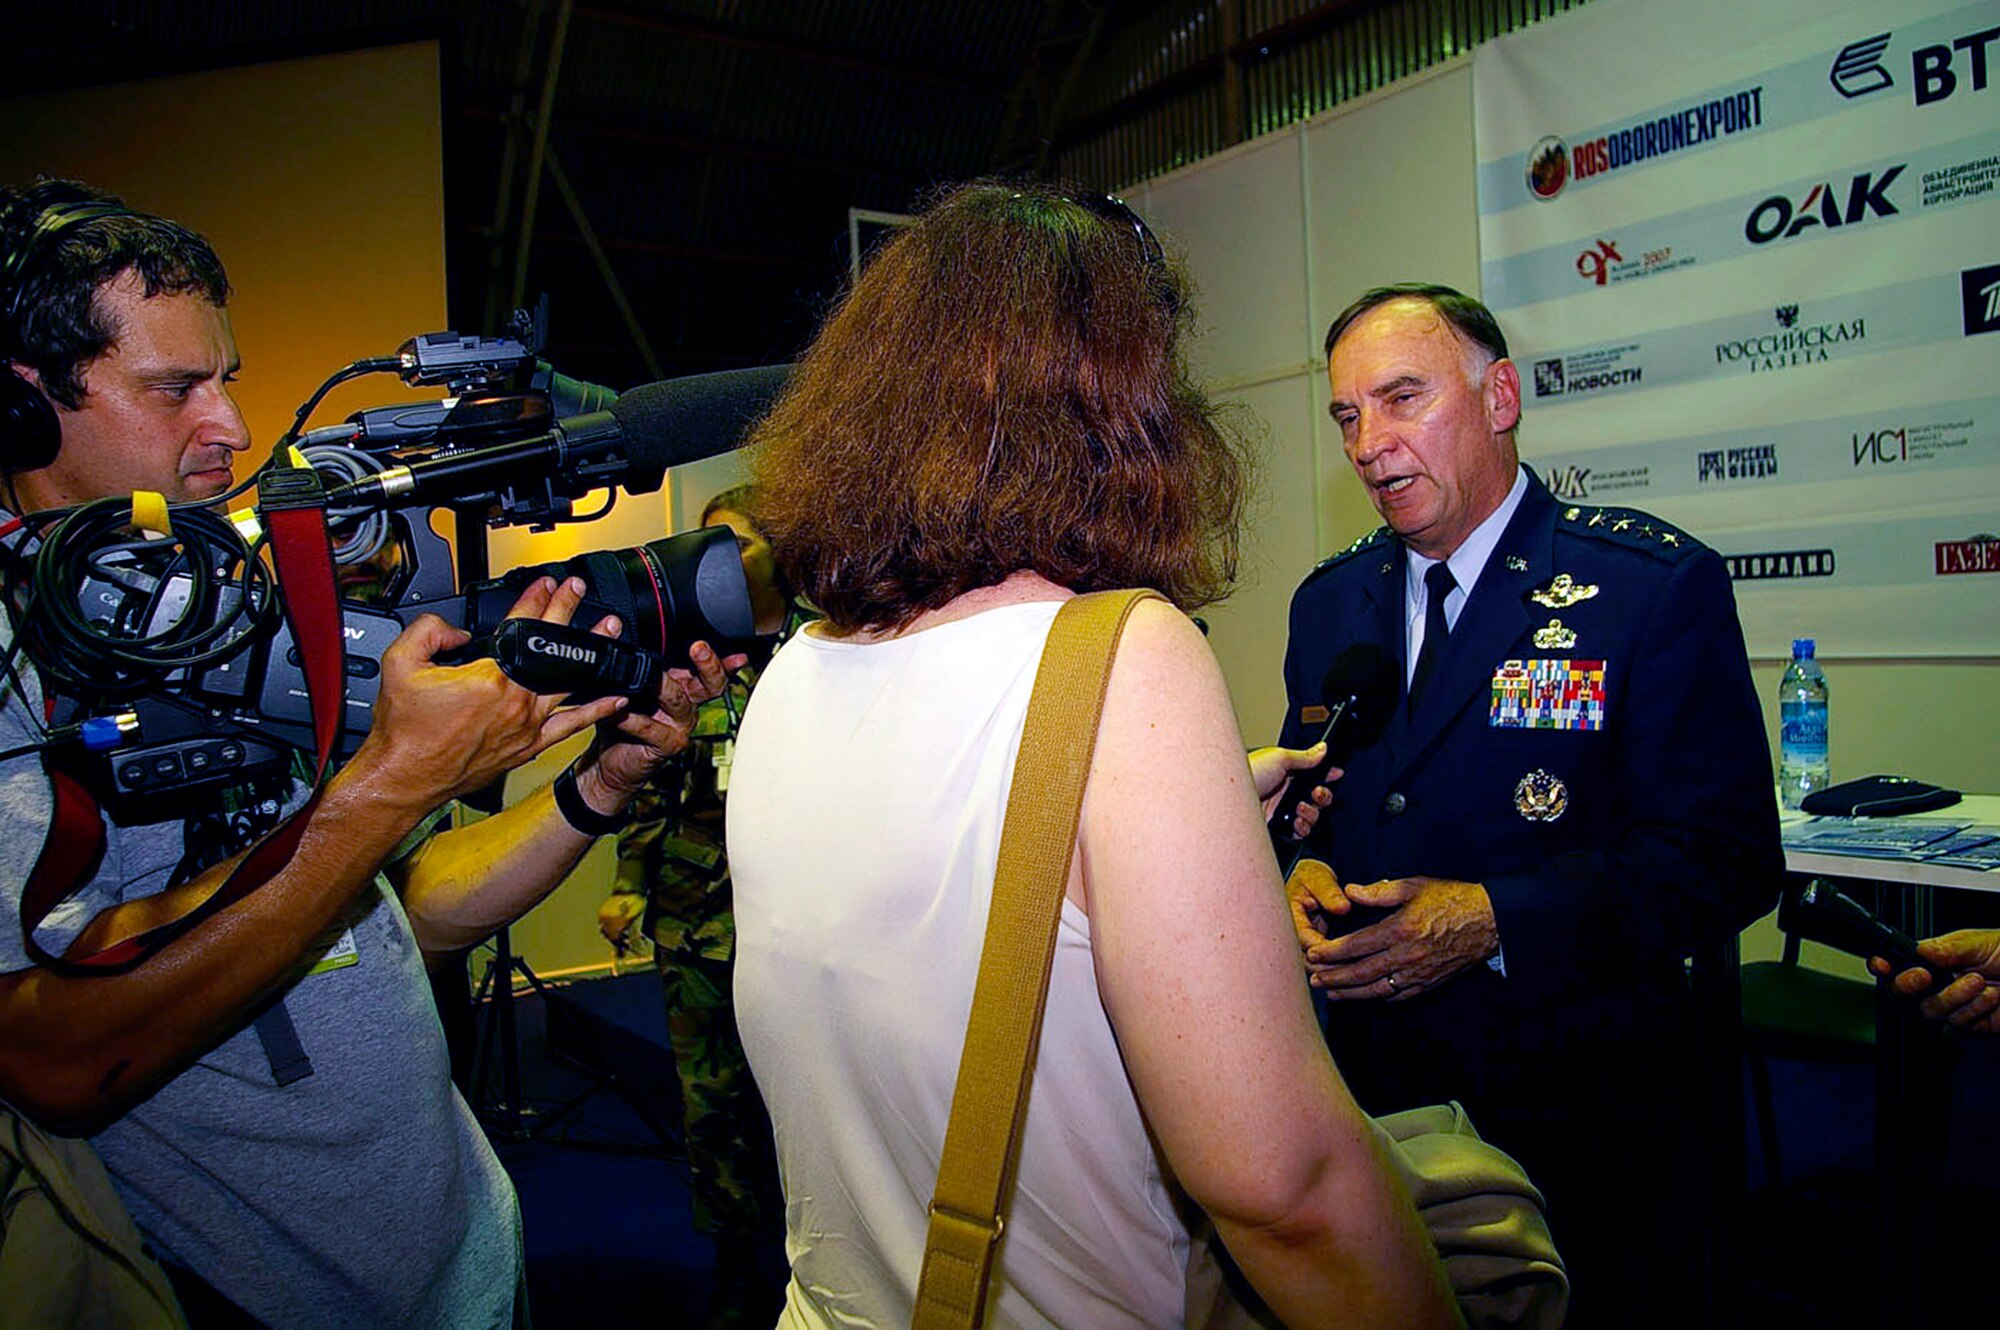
(463, 885)
(78, 1052)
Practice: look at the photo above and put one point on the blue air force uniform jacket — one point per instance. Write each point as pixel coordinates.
(1589, 748)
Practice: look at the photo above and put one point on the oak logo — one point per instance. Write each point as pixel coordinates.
(1867, 196)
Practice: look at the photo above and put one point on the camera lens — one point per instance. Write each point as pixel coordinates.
(667, 594)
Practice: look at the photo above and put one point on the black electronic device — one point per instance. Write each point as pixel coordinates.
(1878, 796)
(1359, 693)
(30, 433)
(241, 708)
(1826, 914)
(185, 635)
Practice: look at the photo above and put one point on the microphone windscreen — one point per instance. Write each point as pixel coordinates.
(1367, 675)
(701, 415)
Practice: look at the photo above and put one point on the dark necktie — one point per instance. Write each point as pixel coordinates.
(1438, 583)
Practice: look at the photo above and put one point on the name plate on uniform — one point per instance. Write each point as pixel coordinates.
(1548, 695)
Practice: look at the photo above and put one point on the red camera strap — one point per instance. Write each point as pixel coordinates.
(75, 843)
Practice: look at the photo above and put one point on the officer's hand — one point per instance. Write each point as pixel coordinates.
(1270, 775)
(1971, 1001)
(1314, 894)
(616, 916)
(445, 730)
(1440, 926)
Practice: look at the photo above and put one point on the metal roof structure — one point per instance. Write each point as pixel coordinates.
(681, 173)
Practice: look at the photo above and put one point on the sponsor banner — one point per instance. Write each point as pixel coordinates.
(1928, 62)
(1773, 341)
(1907, 552)
(1900, 586)
(1770, 565)
(1883, 445)
(1819, 206)
(1681, 233)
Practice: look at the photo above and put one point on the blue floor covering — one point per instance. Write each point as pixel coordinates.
(610, 1243)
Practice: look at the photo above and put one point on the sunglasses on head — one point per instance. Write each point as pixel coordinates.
(1112, 209)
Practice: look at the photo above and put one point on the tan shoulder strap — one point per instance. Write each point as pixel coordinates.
(976, 1173)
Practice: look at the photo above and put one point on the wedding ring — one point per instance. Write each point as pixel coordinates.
(1392, 983)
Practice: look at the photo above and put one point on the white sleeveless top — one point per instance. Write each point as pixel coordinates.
(864, 823)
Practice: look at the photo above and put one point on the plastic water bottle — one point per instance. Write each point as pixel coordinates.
(1802, 765)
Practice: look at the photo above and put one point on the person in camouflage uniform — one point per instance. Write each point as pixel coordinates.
(673, 878)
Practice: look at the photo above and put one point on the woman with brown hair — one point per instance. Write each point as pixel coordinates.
(993, 420)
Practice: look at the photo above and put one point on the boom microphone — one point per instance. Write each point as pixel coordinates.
(645, 431)
(1359, 692)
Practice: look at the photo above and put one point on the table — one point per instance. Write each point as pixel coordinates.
(1978, 809)
(1911, 1059)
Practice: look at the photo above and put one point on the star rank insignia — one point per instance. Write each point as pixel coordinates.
(1563, 593)
(1555, 637)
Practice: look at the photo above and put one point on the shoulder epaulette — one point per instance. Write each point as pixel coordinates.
(1630, 528)
(1379, 536)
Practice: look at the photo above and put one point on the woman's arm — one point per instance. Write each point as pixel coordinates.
(1204, 985)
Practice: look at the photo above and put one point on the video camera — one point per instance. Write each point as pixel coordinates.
(171, 658)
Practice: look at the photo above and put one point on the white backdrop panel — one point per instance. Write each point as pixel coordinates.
(1237, 220)
(1279, 544)
(1279, 235)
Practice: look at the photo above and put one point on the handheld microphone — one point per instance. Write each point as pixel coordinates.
(630, 444)
(1360, 692)
(1826, 914)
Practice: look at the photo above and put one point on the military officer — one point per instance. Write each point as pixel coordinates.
(1575, 792)
(673, 876)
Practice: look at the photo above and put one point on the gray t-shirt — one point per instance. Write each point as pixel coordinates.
(364, 1194)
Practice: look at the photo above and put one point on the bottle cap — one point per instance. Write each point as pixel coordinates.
(1802, 648)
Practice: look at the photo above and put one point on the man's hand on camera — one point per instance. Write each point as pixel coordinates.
(446, 730)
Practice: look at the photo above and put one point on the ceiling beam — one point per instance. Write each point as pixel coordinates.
(569, 126)
(701, 253)
(719, 35)
(1243, 53)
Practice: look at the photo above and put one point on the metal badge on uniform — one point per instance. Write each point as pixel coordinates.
(1548, 695)
(1540, 797)
(1313, 715)
(1516, 564)
(1562, 593)
(1555, 636)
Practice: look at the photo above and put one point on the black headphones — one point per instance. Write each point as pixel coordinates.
(30, 434)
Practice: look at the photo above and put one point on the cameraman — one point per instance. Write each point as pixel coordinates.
(362, 1192)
